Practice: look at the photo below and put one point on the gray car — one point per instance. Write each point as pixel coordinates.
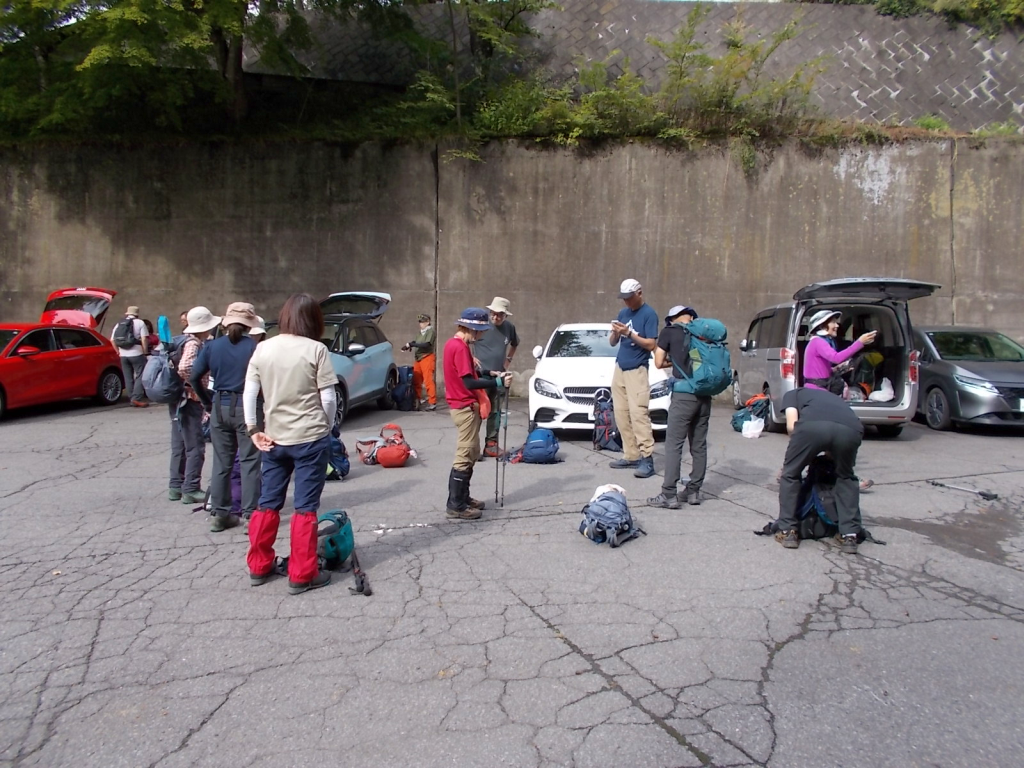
(970, 376)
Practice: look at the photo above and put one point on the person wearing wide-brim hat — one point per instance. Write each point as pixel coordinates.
(494, 350)
(424, 363)
(462, 382)
(188, 448)
(226, 360)
(821, 353)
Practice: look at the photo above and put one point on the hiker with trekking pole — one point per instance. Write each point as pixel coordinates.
(468, 399)
(493, 353)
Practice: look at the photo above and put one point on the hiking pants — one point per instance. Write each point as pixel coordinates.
(188, 449)
(808, 440)
(228, 437)
(631, 396)
(131, 369)
(497, 398)
(423, 376)
(688, 418)
(308, 463)
(467, 444)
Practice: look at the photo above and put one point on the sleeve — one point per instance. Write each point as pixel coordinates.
(252, 371)
(200, 368)
(188, 358)
(824, 350)
(472, 382)
(649, 324)
(789, 401)
(326, 378)
(250, 395)
(513, 338)
(329, 401)
(663, 339)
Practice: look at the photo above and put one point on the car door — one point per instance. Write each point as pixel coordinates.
(35, 378)
(353, 364)
(752, 362)
(81, 356)
(377, 356)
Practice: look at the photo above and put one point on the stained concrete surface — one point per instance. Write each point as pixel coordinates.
(131, 636)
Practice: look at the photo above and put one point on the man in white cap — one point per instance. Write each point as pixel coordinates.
(131, 339)
(494, 351)
(637, 329)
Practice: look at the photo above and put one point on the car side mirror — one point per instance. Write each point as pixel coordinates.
(28, 351)
(743, 345)
(538, 351)
(355, 348)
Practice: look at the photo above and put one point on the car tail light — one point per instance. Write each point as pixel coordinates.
(912, 370)
(788, 365)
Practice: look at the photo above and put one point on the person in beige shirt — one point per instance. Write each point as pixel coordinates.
(294, 371)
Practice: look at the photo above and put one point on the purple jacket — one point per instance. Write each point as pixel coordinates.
(819, 357)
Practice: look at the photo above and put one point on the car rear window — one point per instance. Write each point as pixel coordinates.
(94, 305)
(983, 347)
(593, 343)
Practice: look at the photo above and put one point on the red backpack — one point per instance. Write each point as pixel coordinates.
(395, 451)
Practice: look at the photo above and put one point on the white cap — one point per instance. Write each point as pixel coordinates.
(628, 288)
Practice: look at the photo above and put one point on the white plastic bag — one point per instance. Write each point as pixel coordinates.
(753, 428)
(883, 394)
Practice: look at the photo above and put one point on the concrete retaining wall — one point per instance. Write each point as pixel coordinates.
(554, 231)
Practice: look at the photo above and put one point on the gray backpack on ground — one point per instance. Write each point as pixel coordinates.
(607, 520)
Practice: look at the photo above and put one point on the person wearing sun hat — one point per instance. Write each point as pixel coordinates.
(188, 448)
(821, 353)
(461, 384)
(424, 363)
(637, 328)
(494, 351)
(226, 359)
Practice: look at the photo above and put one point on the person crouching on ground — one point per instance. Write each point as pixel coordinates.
(226, 360)
(637, 328)
(688, 415)
(298, 382)
(425, 362)
(819, 421)
(461, 381)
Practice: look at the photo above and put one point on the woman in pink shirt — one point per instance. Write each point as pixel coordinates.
(821, 353)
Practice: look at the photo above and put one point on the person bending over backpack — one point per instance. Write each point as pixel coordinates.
(688, 414)
(294, 372)
(226, 360)
(461, 383)
(818, 421)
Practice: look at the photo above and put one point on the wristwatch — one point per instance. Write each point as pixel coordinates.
(250, 431)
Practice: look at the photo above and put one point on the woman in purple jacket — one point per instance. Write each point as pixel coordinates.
(821, 353)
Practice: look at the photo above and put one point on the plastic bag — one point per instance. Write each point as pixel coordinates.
(753, 428)
(884, 393)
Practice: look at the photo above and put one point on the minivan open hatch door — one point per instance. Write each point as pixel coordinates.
(878, 288)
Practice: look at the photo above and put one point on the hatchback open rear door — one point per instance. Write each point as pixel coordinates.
(867, 288)
(78, 306)
(369, 304)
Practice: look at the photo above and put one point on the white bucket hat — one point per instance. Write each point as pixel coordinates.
(821, 318)
(260, 328)
(201, 320)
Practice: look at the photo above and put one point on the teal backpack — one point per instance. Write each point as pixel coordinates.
(335, 541)
(709, 359)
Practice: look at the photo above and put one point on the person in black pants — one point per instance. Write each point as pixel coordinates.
(226, 359)
(819, 421)
(688, 414)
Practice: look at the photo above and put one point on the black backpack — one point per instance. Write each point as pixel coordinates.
(606, 434)
(124, 334)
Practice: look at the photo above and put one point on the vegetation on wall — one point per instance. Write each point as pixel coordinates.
(991, 16)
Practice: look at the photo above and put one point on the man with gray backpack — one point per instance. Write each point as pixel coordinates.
(694, 349)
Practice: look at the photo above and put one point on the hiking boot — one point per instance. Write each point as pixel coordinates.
(256, 580)
(692, 497)
(623, 464)
(139, 404)
(847, 543)
(466, 514)
(174, 494)
(788, 539)
(644, 467)
(218, 523)
(493, 450)
(866, 484)
(193, 497)
(477, 504)
(430, 407)
(663, 501)
(322, 579)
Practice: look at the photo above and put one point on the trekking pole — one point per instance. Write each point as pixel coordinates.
(504, 448)
(497, 459)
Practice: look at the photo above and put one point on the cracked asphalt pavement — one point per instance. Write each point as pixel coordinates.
(131, 635)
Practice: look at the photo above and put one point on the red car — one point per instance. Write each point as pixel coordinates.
(63, 356)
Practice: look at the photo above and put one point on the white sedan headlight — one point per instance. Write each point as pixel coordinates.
(661, 389)
(546, 388)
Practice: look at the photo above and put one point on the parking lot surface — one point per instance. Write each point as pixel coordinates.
(131, 635)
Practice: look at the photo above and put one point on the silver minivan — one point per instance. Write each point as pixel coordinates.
(771, 353)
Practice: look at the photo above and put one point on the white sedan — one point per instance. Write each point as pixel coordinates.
(576, 363)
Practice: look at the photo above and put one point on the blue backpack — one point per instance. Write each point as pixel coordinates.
(541, 447)
(338, 465)
(606, 433)
(404, 396)
(709, 360)
(607, 520)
